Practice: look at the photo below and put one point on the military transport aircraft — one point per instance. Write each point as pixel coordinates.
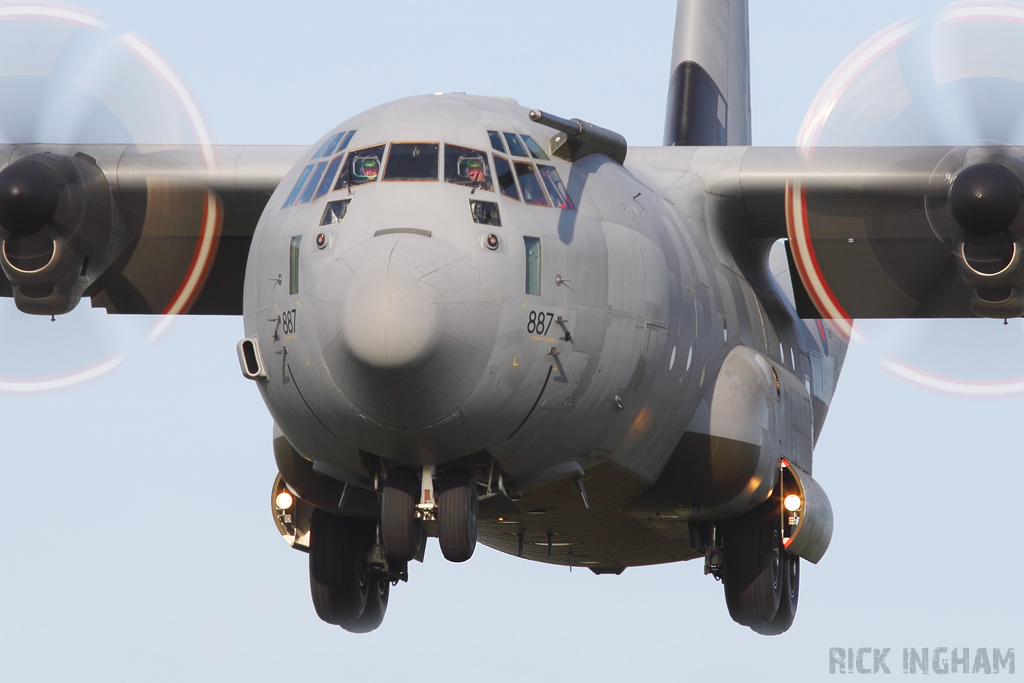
(474, 320)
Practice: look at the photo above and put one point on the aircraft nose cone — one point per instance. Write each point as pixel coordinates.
(407, 327)
(390, 318)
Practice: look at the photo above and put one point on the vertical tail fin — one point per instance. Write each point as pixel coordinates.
(709, 91)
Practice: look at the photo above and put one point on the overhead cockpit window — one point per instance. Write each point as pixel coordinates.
(534, 148)
(345, 140)
(485, 213)
(515, 146)
(556, 190)
(412, 161)
(335, 212)
(496, 141)
(332, 144)
(532, 192)
(299, 184)
(320, 150)
(469, 167)
(314, 181)
(325, 183)
(506, 179)
(364, 165)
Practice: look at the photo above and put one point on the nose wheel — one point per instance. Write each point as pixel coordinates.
(409, 499)
(457, 507)
(401, 529)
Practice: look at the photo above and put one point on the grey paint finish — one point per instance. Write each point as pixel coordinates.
(714, 34)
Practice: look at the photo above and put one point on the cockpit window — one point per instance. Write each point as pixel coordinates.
(363, 166)
(534, 148)
(332, 144)
(532, 192)
(465, 166)
(299, 184)
(496, 141)
(325, 183)
(556, 190)
(335, 212)
(345, 140)
(515, 146)
(506, 179)
(320, 150)
(314, 180)
(412, 161)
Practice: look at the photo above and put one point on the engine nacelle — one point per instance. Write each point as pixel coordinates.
(978, 211)
(58, 230)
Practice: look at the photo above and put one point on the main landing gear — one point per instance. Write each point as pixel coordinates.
(761, 579)
(348, 577)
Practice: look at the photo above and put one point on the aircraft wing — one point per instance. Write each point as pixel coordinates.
(182, 218)
(873, 232)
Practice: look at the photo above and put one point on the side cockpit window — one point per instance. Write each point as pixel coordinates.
(315, 180)
(556, 190)
(412, 161)
(506, 179)
(535, 151)
(496, 142)
(469, 167)
(515, 145)
(528, 182)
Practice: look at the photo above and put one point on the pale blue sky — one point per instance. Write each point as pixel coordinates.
(140, 541)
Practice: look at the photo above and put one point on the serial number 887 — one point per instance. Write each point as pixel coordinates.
(539, 322)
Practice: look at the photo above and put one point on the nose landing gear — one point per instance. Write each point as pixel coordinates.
(409, 500)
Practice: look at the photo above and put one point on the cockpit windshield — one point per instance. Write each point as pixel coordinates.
(412, 161)
(364, 164)
(465, 166)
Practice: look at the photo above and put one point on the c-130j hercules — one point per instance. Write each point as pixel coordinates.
(475, 321)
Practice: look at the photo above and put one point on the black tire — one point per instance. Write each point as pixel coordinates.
(338, 580)
(376, 607)
(751, 566)
(457, 510)
(401, 532)
(790, 597)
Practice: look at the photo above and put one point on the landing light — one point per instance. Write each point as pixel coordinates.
(792, 502)
(284, 500)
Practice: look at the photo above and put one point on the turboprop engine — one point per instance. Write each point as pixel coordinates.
(57, 230)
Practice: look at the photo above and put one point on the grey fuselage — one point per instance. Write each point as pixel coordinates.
(672, 374)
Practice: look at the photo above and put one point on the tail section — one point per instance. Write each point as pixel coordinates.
(709, 91)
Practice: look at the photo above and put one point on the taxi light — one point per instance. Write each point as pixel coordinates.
(792, 502)
(284, 500)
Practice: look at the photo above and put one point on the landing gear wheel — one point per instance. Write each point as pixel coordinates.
(457, 507)
(376, 606)
(401, 532)
(752, 565)
(338, 579)
(790, 596)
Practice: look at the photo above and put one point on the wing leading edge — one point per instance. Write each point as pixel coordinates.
(872, 231)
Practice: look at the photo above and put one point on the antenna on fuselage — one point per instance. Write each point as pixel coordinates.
(577, 139)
